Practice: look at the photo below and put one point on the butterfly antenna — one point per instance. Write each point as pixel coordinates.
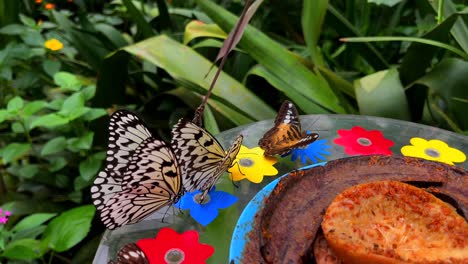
(197, 119)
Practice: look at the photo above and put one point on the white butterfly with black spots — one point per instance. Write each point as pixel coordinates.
(201, 157)
(141, 174)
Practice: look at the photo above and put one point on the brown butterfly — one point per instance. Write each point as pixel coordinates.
(286, 134)
(130, 254)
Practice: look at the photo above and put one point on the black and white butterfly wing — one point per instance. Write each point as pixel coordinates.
(199, 154)
(151, 182)
(126, 132)
(130, 254)
(223, 166)
(286, 134)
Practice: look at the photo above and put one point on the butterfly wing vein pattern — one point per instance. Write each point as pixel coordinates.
(151, 181)
(286, 133)
(201, 157)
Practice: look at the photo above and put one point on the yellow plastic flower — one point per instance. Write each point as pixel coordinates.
(253, 165)
(53, 44)
(433, 149)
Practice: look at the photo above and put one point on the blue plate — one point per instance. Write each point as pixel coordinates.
(246, 219)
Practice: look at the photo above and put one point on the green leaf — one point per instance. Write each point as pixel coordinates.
(14, 151)
(32, 107)
(27, 21)
(31, 221)
(15, 104)
(90, 166)
(80, 143)
(389, 3)
(94, 114)
(49, 120)
(57, 163)
(24, 249)
(17, 127)
(67, 81)
(144, 28)
(69, 228)
(12, 29)
(279, 61)
(51, 67)
(28, 171)
(313, 14)
(73, 107)
(170, 55)
(4, 115)
(89, 92)
(196, 29)
(447, 82)
(53, 146)
(382, 94)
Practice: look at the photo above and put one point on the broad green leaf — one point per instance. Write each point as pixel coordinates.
(170, 54)
(196, 29)
(69, 228)
(31, 221)
(33, 38)
(67, 81)
(15, 104)
(49, 120)
(12, 29)
(279, 83)
(53, 146)
(144, 27)
(89, 92)
(90, 166)
(17, 127)
(51, 67)
(278, 61)
(28, 171)
(94, 113)
(29, 233)
(4, 115)
(27, 21)
(382, 94)
(114, 35)
(210, 121)
(80, 143)
(460, 29)
(73, 107)
(13, 151)
(446, 82)
(25, 249)
(313, 14)
(389, 3)
(57, 163)
(32, 107)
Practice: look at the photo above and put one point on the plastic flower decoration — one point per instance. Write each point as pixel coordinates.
(314, 151)
(207, 211)
(433, 149)
(253, 165)
(359, 141)
(4, 216)
(53, 44)
(171, 247)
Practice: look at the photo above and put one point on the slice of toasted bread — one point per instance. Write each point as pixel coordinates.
(394, 222)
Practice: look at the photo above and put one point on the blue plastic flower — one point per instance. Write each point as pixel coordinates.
(314, 151)
(207, 211)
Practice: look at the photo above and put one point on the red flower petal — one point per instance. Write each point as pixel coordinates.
(167, 239)
(354, 141)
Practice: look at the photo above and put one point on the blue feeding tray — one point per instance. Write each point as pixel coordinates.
(246, 219)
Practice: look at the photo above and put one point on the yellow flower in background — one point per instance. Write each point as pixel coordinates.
(53, 44)
(251, 164)
(433, 149)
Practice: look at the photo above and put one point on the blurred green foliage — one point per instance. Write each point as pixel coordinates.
(155, 56)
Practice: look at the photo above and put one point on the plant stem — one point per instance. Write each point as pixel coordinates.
(440, 11)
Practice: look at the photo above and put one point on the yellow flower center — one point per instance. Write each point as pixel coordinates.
(174, 256)
(432, 152)
(53, 44)
(364, 141)
(246, 162)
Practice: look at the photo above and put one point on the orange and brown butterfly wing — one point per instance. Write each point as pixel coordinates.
(286, 133)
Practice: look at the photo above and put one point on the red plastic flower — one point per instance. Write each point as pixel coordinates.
(174, 248)
(359, 141)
